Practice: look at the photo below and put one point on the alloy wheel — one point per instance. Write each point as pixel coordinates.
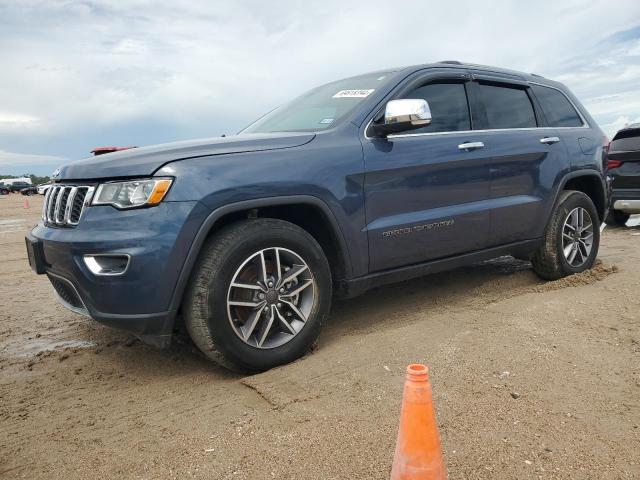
(270, 297)
(577, 237)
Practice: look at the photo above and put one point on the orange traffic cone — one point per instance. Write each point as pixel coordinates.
(418, 454)
(26, 203)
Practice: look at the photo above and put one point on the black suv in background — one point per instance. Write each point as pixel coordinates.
(624, 169)
(18, 186)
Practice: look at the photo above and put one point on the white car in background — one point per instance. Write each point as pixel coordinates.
(42, 188)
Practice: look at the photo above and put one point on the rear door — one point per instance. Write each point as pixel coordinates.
(583, 144)
(425, 193)
(525, 158)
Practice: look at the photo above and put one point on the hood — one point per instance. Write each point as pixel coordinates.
(145, 161)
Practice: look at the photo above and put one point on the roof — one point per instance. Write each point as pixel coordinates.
(475, 66)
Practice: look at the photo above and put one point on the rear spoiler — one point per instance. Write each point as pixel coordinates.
(103, 150)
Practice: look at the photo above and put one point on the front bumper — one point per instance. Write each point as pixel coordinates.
(141, 300)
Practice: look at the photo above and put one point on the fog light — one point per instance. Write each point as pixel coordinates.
(107, 264)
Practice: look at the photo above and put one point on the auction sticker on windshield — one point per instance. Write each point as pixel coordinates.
(353, 93)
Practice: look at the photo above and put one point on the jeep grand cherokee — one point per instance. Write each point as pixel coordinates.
(357, 183)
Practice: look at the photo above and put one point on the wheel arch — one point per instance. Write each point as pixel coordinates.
(591, 184)
(291, 208)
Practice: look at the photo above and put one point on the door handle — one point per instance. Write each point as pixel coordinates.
(471, 146)
(549, 140)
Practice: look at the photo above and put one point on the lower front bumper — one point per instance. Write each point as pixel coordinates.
(140, 299)
(154, 329)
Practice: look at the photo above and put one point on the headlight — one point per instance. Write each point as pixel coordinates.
(132, 193)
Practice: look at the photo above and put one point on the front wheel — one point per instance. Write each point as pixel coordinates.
(572, 238)
(259, 294)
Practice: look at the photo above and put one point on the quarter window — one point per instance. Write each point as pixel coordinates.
(506, 107)
(557, 108)
(448, 104)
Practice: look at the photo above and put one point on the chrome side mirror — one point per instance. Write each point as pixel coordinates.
(409, 111)
(402, 115)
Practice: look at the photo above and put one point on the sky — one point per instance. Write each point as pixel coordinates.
(81, 74)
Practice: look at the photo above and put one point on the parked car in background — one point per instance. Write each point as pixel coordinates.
(17, 186)
(21, 181)
(42, 188)
(623, 163)
(30, 190)
(4, 189)
(356, 184)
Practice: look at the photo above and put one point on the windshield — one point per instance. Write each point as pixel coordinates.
(321, 107)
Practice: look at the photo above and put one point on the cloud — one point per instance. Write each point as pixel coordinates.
(17, 159)
(99, 72)
(18, 163)
(12, 120)
(605, 76)
(611, 128)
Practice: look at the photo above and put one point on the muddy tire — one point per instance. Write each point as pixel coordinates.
(258, 296)
(617, 218)
(571, 241)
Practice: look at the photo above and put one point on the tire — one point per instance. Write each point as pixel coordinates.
(616, 218)
(233, 256)
(550, 261)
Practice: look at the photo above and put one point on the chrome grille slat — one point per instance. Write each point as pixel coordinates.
(82, 198)
(56, 212)
(52, 204)
(46, 203)
(69, 205)
(64, 204)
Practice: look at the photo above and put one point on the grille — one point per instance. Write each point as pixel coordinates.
(63, 204)
(66, 292)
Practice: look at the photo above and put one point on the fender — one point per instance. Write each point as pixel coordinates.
(218, 213)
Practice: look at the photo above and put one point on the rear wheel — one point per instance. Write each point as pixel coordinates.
(259, 295)
(616, 218)
(572, 239)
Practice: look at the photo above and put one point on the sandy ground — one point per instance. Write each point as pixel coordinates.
(78, 400)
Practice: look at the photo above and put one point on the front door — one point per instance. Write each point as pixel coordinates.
(427, 191)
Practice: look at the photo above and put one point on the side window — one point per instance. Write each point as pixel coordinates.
(557, 107)
(448, 104)
(506, 107)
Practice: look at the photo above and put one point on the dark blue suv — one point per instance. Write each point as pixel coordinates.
(357, 183)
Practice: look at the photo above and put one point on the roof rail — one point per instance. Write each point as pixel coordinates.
(536, 75)
(452, 62)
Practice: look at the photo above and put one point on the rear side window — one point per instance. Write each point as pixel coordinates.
(506, 107)
(448, 104)
(557, 107)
